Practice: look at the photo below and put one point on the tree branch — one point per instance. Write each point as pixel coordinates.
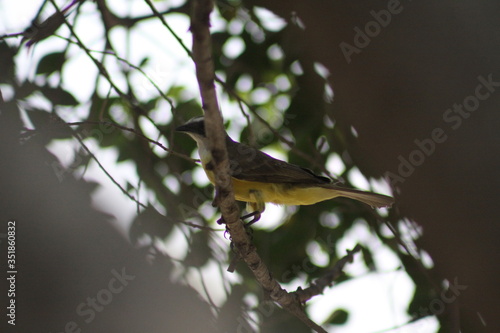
(202, 57)
(224, 197)
(325, 281)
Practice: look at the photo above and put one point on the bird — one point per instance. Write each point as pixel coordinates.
(259, 178)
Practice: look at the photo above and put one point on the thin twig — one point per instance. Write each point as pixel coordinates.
(164, 22)
(318, 286)
(12, 35)
(102, 70)
(140, 135)
(207, 293)
(128, 63)
(131, 197)
(99, 65)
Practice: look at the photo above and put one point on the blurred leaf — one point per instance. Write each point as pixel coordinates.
(58, 96)
(285, 247)
(48, 126)
(26, 89)
(189, 109)
(228, 9)
(7, 64)
(175, 92)
(338, 317)
(144, 62)
(51, 63)
(368, 258)
(276, 319)
(99, 108)
(39, 118)
(151, 104)
(149, 222)
(199, 251)
(424, 291)
(130, 187)
(233, 312)
(41, 30)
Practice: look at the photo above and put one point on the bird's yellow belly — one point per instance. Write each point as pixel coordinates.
(281, 194)
(277, 193)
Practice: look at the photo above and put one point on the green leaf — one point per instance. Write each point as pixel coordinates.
(39, 118)
(199, 251)
(144, 62)
(58, 96)
(7, 64)
(26, 89)
(338, 317)
(48, 125)
(149, 222)
(228, 9)
(51, 63)
(368, 258)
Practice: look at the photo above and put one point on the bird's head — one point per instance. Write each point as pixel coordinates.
(194, 127)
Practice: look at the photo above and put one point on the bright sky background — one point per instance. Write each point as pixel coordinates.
(376, 301)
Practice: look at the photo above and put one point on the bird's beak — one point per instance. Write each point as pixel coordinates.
(196, 128)
(184, 128)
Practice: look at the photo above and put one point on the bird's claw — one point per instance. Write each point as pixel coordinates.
(255, 217)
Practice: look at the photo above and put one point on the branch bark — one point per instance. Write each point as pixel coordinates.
(224, 196)
(202, 57)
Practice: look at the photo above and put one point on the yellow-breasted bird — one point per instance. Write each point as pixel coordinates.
(259, 178)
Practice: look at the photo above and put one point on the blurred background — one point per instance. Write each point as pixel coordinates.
(115, 228)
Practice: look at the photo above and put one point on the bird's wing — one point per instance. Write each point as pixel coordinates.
(247, 163)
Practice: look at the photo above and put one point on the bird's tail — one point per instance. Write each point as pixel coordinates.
(372, 199)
